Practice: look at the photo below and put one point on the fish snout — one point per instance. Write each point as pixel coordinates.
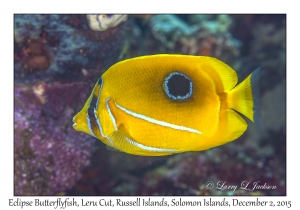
(78, 121)
(75, 125)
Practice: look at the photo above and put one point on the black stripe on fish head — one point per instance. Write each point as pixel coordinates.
(92, 120)
(91, 113)
(93, 102)
(99, 81)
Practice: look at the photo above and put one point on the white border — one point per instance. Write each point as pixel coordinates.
(216, 6)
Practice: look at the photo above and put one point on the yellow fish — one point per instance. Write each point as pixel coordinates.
(165, 104)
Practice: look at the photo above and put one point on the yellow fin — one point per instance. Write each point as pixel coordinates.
(245, 97)
(225, 78)
(231, 127)
(125, 143)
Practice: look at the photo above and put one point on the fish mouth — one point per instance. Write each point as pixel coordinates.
(79, 122)
(75, 125)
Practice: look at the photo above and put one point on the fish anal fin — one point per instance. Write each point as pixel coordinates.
(231, 127)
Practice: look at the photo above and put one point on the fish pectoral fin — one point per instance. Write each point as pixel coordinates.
(122, 141)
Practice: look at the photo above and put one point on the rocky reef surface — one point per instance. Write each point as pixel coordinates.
(58, 58)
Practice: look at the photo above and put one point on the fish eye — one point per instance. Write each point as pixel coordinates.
(95, 113)
(90, 113)
(178, 86)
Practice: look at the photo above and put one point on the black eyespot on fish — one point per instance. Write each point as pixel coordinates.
(178, 86)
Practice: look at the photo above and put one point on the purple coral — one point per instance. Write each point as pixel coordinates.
(49, 154)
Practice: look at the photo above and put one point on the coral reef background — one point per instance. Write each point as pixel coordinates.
(58, 59)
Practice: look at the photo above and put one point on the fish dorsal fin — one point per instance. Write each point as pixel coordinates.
(223, 75)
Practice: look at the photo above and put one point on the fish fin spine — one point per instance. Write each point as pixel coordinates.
(245, 97)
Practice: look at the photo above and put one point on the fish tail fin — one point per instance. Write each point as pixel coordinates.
(245, 97)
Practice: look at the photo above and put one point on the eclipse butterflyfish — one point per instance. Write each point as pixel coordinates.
(166, 104)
